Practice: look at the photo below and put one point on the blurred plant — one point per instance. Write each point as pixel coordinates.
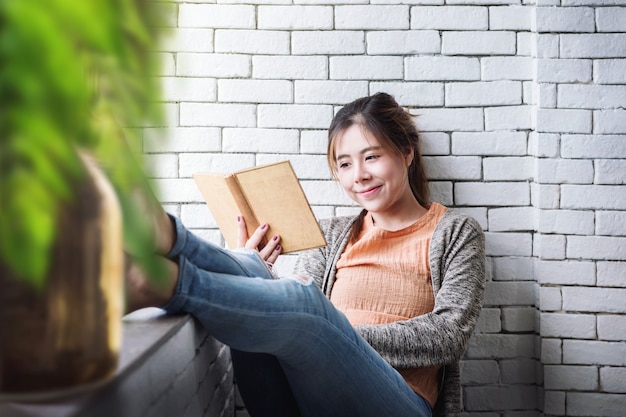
(74, 75)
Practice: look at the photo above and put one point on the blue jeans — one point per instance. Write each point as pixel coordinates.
(303, 342)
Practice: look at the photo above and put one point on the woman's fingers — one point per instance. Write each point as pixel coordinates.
(242, 235)
(269, 252)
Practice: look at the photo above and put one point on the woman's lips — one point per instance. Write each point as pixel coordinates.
(370, 191)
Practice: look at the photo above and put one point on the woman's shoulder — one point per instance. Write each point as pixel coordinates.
(455, 221)
(333, 226)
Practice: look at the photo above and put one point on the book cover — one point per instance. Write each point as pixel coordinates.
(268, 194)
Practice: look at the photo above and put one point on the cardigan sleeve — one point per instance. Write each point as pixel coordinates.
(457, 259)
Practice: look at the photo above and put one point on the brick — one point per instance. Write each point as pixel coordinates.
(519, 319)
(609, 121)
(260, 140)
(564, 70)
(307, 167)
(565, 272)
(212, 65)
(604, 353)
(479, 372)
(161, 165)
(589, 299)
(217, 114)
(549, 246)
(393, 42)
(290, 67)
(545, 196)
(450, 120)
(513, 269)
(492, 194)
(435, 143)
(478, 213)
(551, 352)
(214, 16)
(221, 162)
(571, 326)
(568, 222)
(188, 40)
(197, 216)
(610, 19)
(611, 327)
(545, 145)
(478, 43)
(525, 44)
(411, 93)
(295, 17)
(563, 121)
(441, 191)
(509, 219)
(546, 46)
(518, 371)
(366, 67)
(500, 346)
(325, 192)
(489, 321)
(171, 191)
(510, 18)
(609, 71)
(182, 139)
(597, 247)
(188, 89)
(565, 19)
(612, 379)
(611, 274)
(440, 68)
(371, 17)
(255, 91)
(593, 146)
(570, 378)
(589, 404)
(610, 171)
(564, 171)
(453, 167)
(554, 403)
(271, 42)
(313, 141)
(508, 118)
(449, 18)
(517, 397)
(507, 68)
(484, 93)
(516, 293)
(593, 45)
(591, 96)
(335, 42)
(545, 95)
(489, 143)
(329, 91)
(508, 168)
(295, 116)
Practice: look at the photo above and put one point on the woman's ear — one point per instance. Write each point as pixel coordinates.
(410, 154)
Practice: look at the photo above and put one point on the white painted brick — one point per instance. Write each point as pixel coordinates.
(216, 16)
(188, 40)
(550, 300)
(218, 163)
(489, 321)
(549, 246)
(483, 93)
(564, 70)
(217, 114)
(568, 222)
(212, 65)
(611, 327)
(513, 269)
(609, 71)
(489, 143)
(547, 46)
(477, 372)
(551, 350)
(518, 371)
(611, 223)
(508, 118)
(411, 93)
(525, 44)
(478, 213)
(608, 197)
(441, 191)
(452, 167)
(563, 121)
(609, 121)
(171, 112)
(170, 190)
(255, 91)
(450, 120)
(161, 165)
(295, 17)
(295, 116)
(586, 404)
(260, 140)
(329, 92)
(435, 143)
(306, 167)
(290, 67)
(334, 42)
(510, 219)
(604, 353)
(188, 89)
(252, 41)
(325, 192)
(564, 171)
(528, 95)
(565, 19)
(449, 18)
(611, 274)
(500, 397)
(510, 17)
(591, 96)
(371, 17)
(313, 141)
(544, 95)
(182, 139)
(597, 247)
(500, 346)
(518, 319)
(436, 68)
(565, 272)
(593, 146)
(482, 2)
(611, 19)
(612, 379)
(367, 67)
(508, 168)
(593, 46)
(506, 68)
(492, 194)
(610, 171)
(391, 42)
(570, 378)
(570, 326)
(508, 244)
(197, 216)
(478, 43)
(545, 145)
(588, 299)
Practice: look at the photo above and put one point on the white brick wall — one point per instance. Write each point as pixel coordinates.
(522, 104)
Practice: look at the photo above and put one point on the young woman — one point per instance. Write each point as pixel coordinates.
(375, 323)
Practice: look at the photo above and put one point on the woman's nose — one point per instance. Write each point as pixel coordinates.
(360, 173)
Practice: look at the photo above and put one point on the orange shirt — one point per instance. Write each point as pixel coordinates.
(384, 276)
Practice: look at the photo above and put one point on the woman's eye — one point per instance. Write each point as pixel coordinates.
(342, 164)
(370, 157)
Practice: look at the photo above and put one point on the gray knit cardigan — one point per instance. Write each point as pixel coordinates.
(457, 264)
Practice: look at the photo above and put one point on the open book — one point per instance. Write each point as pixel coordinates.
(264, 194)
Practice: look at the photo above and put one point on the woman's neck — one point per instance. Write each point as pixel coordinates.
(400, 217)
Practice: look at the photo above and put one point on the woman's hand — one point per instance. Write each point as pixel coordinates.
(271, 250)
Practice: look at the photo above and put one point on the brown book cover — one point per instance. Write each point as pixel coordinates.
(264, 194)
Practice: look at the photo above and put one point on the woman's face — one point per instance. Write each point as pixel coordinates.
(372, 176)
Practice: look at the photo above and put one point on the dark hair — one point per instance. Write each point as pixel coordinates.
(394, 128)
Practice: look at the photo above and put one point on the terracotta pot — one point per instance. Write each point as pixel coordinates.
(68, 334)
